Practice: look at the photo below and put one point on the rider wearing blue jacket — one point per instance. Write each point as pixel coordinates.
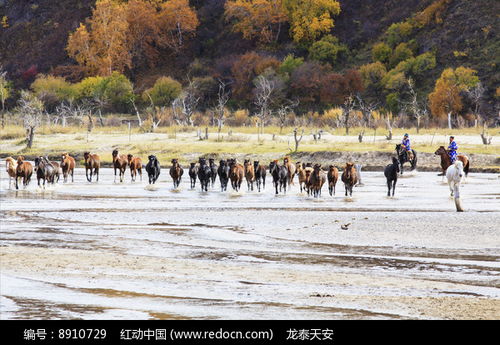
(406, 145)
(452, 150)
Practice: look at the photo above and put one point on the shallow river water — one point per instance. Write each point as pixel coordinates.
(111, 250)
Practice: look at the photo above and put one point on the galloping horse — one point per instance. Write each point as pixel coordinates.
(193, 174)
(44, 170)
(10, 167)
(204, 174)
(68, 166)
(349, 177)
(58, 171)
(333, 176)
(454, 174)
(24, 170)
(280, 176)
(213, 169)
(403, 157)
(236, 173)
(120, 162)
(292, 169)
(135, 164)
(446, 161)
(223, 172)
(303, 172)
(92, 164)
(153, 169)
(317, 180)
(391, 173)
(260, 174)
(249, 173)
(176, 172)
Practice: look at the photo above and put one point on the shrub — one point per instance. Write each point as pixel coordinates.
(163, 92)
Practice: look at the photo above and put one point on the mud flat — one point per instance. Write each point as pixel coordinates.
(107, 250)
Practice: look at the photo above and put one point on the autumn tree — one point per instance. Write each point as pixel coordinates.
(177, 21)
(381, 52)
(328, 50)
(4, 92)
(52, 90)
(101, 43)
(310, 18)
(260, 19)
(446, 99)
(163, 92)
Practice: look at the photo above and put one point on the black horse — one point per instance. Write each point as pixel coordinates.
(213, 169)
(280, 176)
(193, 174)
(391, 173)
(260, 174)
(44, 171)
(153, 169)
(223, 172)
(204, 174)
(403, 157)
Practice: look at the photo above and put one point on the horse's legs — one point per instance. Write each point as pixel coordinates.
(72, 171)
(394, 186)
(87, 173)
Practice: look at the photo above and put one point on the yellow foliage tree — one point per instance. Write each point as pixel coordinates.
(257, 18)
(177, 20)
(446, 100)
(310, 18)
(101, 44)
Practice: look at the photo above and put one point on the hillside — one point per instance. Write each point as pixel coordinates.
(34, 35)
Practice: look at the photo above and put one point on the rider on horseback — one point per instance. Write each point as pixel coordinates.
(452, 150)
(406, 145)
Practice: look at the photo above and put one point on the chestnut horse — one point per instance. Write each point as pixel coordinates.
(292, 169)
(120, 162)
(92, 163)
(349, 177)
(317, 180)
(11, 167)
(68, 166)
(249, 173)
(24, 170)
(333, 177)
(236, 173)
(135, 164)
(446, 161)
(176, 172)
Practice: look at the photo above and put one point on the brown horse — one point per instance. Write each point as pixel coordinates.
(446, 161)
(303, 172)
(249, 173)
(120, 162)
(92, 164)
(349, 177)
(291, 169)
(317, 180)
(135, 164)
(57, 171)
(236, 173)
(24, 170)
(11, 168)
(176, 172)
(333, 176)
(68, 166)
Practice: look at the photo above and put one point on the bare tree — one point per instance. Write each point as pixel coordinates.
(475, 94)
(347, 108)
(264, 88)
(283, 110)
(414, 106)
(220, 106)
(31, 109)
(367, 108)
(184, 106)
(297, 138)
(76, 111)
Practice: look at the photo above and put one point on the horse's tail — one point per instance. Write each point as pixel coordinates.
(466, 167)
(414, 165)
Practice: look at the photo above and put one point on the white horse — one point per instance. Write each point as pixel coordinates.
(454, 174)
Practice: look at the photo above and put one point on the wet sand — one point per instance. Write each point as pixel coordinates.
(121, 251)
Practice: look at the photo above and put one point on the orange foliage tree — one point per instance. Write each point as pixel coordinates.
(261, 19)
(177, 20)
(446, 100)
(101, 43)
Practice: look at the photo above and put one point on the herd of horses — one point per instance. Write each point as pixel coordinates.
(311, 177)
